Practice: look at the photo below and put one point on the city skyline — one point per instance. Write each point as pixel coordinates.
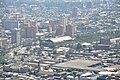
(59, 40)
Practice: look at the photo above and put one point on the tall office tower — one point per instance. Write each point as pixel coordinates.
(16, 36)
(53, 24)
(49, 28)
(29, 29)
(88, 4)
(108, 4)
(64, 21)
(74, 12)
(10, 24)
(70, 30)
(60, 30)
(1, 31)
(3, 43)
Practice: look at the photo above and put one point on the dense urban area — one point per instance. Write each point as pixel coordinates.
(59, 39)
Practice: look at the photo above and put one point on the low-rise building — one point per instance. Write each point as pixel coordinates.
(56, 40)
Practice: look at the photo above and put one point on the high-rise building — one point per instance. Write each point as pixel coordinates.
(49, 28)
(3, 43)
(10, 24)
(16, 36)
(74, 12)
(60, 30)
(53, 24)
(64, 21)
(29, 29)
(88, 4)
(70, 30)
(1, 32)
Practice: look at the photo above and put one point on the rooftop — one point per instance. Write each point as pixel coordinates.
(60, 39)
(78, 63)
(114, 39)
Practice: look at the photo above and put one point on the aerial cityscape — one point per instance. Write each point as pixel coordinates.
(59, 39)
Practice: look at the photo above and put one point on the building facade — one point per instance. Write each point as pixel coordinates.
(70, 30)
(16, 36)
(29, 29)
(10, 24)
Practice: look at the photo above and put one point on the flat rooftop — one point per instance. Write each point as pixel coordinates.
(60, 39)
(78, 64)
